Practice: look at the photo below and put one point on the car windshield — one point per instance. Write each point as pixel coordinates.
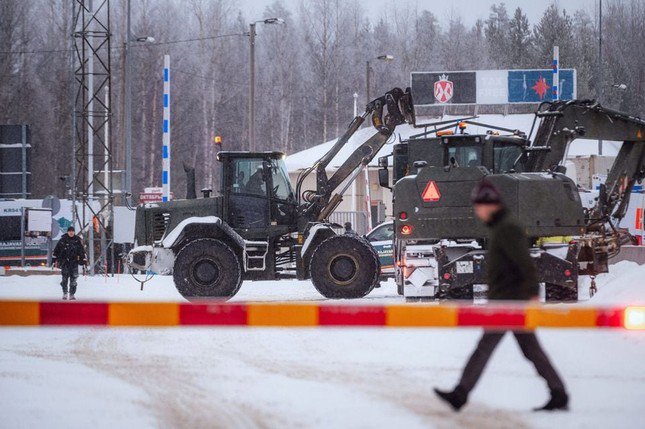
(382, 233)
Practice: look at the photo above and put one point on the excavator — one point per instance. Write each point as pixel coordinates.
(440, 246)
(258, 228)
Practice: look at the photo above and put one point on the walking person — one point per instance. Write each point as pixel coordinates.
(511, 276)
(69, 253)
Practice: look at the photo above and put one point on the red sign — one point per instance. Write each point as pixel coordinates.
(443, 89)
(431, 192)
(152, 197)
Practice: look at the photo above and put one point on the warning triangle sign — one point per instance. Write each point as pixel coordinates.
(431, 192)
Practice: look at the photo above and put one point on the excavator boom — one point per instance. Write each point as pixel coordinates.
(564, 121)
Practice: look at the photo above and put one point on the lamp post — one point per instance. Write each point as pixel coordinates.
(252, 35)
(368, 71)
(128, 97)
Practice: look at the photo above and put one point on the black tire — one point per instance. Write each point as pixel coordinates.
(207, 268)
(344, 266)
(557, 293)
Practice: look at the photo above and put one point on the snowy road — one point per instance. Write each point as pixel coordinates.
(305, 378)
(313, 377)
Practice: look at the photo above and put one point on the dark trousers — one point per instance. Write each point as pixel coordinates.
(69, 275)
(531, 349)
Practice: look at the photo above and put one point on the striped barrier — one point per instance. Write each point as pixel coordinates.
(32, 313)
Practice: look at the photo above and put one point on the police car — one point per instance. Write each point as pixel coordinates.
(381, 239)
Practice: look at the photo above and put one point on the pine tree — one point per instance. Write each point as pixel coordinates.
(519, 40)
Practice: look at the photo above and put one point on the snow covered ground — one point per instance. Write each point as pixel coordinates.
(307, 377)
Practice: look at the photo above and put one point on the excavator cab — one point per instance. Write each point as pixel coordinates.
(259, 201)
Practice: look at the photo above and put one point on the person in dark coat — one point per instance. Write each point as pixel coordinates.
(511, 276)
(69, 253)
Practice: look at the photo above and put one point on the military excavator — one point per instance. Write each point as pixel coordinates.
(258, 228)
(440, 246)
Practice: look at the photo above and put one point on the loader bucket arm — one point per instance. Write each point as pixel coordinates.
(387, 112)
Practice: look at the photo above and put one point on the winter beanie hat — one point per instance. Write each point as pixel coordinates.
(486, 193)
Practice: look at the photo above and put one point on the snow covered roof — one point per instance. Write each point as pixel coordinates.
(304, 159)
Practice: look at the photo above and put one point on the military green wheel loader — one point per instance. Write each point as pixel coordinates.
(259, 228)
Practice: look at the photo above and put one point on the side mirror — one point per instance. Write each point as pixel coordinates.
(384, 178)
(383, 162)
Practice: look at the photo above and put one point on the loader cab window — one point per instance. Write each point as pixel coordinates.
(248, 177)
(463, 156)
(281, 186)
(505, 155)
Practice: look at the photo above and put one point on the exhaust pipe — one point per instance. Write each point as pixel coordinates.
(191, 194)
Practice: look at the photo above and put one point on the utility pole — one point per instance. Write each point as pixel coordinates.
(128, 103)
(600, 78)
(252, 35)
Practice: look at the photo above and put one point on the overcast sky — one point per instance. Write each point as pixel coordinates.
(469, 10)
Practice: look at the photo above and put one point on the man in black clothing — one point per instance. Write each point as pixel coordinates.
(511, 276)
(69, 253)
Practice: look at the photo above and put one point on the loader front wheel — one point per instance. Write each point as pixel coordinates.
(344, 266)
(207, 268)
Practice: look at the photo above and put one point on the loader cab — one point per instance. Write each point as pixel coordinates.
(499, 154)
(259, 201)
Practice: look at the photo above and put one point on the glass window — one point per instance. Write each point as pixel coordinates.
(382, 233)
(505, 157)
(248, 177)
(464, 156)
(281, 185)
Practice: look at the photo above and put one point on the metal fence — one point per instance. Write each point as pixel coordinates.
(359, 220)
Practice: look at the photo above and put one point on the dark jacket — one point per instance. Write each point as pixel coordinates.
(69, 252)
(511, 272)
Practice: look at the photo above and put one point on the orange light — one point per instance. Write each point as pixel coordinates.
(431, 192)
(445, 133)
(462, 125)
(218, 140)
(406, 230)
(634, 318)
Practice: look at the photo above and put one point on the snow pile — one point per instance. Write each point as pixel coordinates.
(624, 284)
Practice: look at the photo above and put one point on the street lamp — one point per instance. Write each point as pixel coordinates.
(128, 97)
(252, 35)
(368, 71)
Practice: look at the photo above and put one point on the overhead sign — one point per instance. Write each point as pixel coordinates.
(490, 86)
(442, 88)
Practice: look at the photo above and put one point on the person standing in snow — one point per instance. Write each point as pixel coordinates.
(69, 253)
(511, 276)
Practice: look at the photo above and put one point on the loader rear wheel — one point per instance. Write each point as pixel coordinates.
(207, 268)
(344, 266)
(556, 293)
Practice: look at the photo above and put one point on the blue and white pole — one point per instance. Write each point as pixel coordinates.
(165, 153)
(556, 74)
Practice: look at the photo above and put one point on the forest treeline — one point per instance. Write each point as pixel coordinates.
(307, 70)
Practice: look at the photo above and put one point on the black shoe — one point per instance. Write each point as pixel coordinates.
(457, 398)
(559, 401)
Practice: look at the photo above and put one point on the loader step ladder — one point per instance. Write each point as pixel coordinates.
(255, 254)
